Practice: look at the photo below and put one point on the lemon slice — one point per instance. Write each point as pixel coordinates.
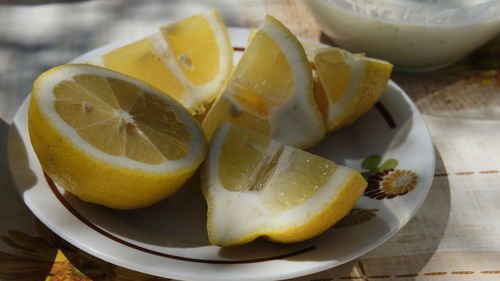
(271, 90)
(190, 60)
(255, 186)
(347, 84)
(110, 139)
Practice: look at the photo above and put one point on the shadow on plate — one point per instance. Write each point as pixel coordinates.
(317, 249)
(178, 221)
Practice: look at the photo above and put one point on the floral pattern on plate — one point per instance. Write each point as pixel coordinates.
(384, 180)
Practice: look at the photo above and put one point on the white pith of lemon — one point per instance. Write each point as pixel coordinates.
(110, 139)
(271, 90)
(190, 60)
(255, 186)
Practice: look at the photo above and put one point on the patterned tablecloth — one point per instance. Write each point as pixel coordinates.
(454, 236)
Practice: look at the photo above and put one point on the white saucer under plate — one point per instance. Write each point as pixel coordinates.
(169, 239)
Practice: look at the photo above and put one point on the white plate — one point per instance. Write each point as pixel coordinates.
(170, 240)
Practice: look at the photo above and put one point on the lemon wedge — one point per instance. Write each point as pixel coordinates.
(110, 139)
(271, 90)
(347, 85)
(190, 60)
(255, 186)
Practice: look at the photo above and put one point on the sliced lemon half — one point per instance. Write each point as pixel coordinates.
(271, 90)
(190, 60)
(255, 186)
(347, 85)
(110, 139)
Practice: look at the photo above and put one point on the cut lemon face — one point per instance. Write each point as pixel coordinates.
(110, 139)
(255, 186)
(271, 90)
(190, 60)
(347, 84)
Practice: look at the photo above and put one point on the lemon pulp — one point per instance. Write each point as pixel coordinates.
(138, 125)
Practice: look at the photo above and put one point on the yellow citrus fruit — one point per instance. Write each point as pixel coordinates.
(255, 186)
(271, 90)
(347, 85)
(110, 139)
(190, 60)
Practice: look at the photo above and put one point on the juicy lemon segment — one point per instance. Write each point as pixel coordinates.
(271, 90)
(302, 175)
(200, 63)
(238, 175)
(189, 60)
(227, 110)
(148, 131)
(110, 139)
(265, 70)
(351, 83)
(255, 186)
(141, 61)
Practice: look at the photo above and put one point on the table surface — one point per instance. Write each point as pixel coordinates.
(455, 234)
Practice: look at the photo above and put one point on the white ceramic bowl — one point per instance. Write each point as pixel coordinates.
(414, 35)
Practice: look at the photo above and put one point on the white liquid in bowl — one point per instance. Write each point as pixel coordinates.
(411, 34)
